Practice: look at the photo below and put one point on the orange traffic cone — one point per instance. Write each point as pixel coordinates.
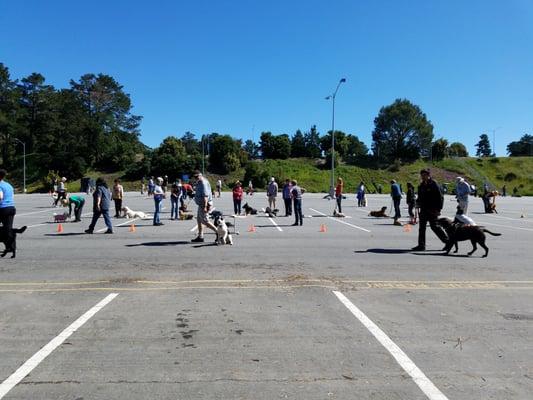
(407, 227)
(60, 228)
(251, 228)
(323, 228)
(132, 228)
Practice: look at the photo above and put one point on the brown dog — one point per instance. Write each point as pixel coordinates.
(379, 214)
(457, 233)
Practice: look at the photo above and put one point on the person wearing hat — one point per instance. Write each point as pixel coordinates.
(203, 197)
(159, 195)
(396, 194)
(175, 197)
(462, 191)
(272, 193)
(429, 202)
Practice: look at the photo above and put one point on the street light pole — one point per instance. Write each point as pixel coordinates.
(23, 161)
(494, 140)
(332, 97)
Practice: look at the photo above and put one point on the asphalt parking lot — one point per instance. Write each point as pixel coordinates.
(287, 312)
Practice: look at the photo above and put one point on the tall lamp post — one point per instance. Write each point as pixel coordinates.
(23, 160)
(494, 139)
(332, 98)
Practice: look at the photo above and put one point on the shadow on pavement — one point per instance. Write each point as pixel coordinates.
(156, 244)
(385, 251)
(65, 234)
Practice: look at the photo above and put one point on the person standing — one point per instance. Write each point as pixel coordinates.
(396, 194)
(159, 195)
(175, 197)
(118, 195)
(429, 201)
(272, 193)
(237, 198)
(462, 191)
(296, 193)
(143, 185)
(7, 211)
(164, 185)
(360, 194)
(286, 194)
(101, 204)
(151, 186)
(250, 190)
(338, 193)
(204, 199)
(219, 187)
(411, 201)
(78, 203)
(61, 191)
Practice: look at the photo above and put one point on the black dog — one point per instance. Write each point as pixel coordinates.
(249, 210)
(3, 239)
(217, 215)
(457, 233)
(272, 213)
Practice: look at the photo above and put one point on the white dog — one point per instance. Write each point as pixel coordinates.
(223, 235)
(134, 214)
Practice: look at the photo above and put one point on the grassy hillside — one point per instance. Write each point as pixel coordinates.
(513, 172)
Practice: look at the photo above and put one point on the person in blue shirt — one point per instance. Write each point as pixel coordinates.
(396, 194)
(287, 199)
(101, 203)
(7, 213)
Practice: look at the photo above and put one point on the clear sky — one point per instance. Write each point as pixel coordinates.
(242, 67)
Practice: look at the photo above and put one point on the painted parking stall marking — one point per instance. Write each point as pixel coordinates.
(339, 220)
(429, 389)
(38, 357)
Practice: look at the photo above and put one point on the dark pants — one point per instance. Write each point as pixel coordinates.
(396, 201)
(107, 220)
(339, 201)
(237, 206)
(430, 217)
(298, 212)
(78, 210)
(118, 207)
(410, 209)
(7, 215)
(60, 195)
(288, 207)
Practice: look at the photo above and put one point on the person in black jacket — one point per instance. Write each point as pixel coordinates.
(430, 201)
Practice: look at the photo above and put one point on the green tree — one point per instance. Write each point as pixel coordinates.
(457, 149)
(340, 143)
(170, 158)
(439, 149)
(402, 131)
(298, 148)
(483, 146)
(224, 156)
(251, 149)
(522, 147)
(355, 149)
(312, 143)
(9, 111)
(275, 147)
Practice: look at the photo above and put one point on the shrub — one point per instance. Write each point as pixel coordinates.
(509, 177)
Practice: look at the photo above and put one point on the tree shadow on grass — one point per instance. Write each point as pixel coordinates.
(158, 244)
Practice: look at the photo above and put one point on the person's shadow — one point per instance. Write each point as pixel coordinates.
(158, 244)
(384, 251)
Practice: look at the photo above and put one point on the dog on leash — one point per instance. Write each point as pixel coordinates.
(459, 232)
(379, 214)
(3, 239)
(249, 210)
(60, 217)
(130, 214)
(223, 235)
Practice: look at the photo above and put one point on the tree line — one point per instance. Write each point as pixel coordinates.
(90, 125)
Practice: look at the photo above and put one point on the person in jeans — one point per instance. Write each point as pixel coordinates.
(462, 191)
(101, 204)
(203, 197)
(118, 194)
(237, 198)
(159, 195)
(286, 194)
(429, 201)
(396, 194)
(175, 197)
(338, 193)
(296, 193)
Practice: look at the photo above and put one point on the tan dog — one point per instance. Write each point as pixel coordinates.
(379, 214)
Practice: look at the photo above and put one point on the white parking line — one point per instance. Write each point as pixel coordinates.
(505, 226)
(339, 220)
(430, 390)
(36, 359)
(512, 219)
(276, 225)
(122, 224)
(37, 212)
(195, 227)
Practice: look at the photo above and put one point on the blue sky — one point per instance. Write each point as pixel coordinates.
(240, 67)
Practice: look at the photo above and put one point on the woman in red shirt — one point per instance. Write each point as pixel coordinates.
(338, 193)
(237, 198)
